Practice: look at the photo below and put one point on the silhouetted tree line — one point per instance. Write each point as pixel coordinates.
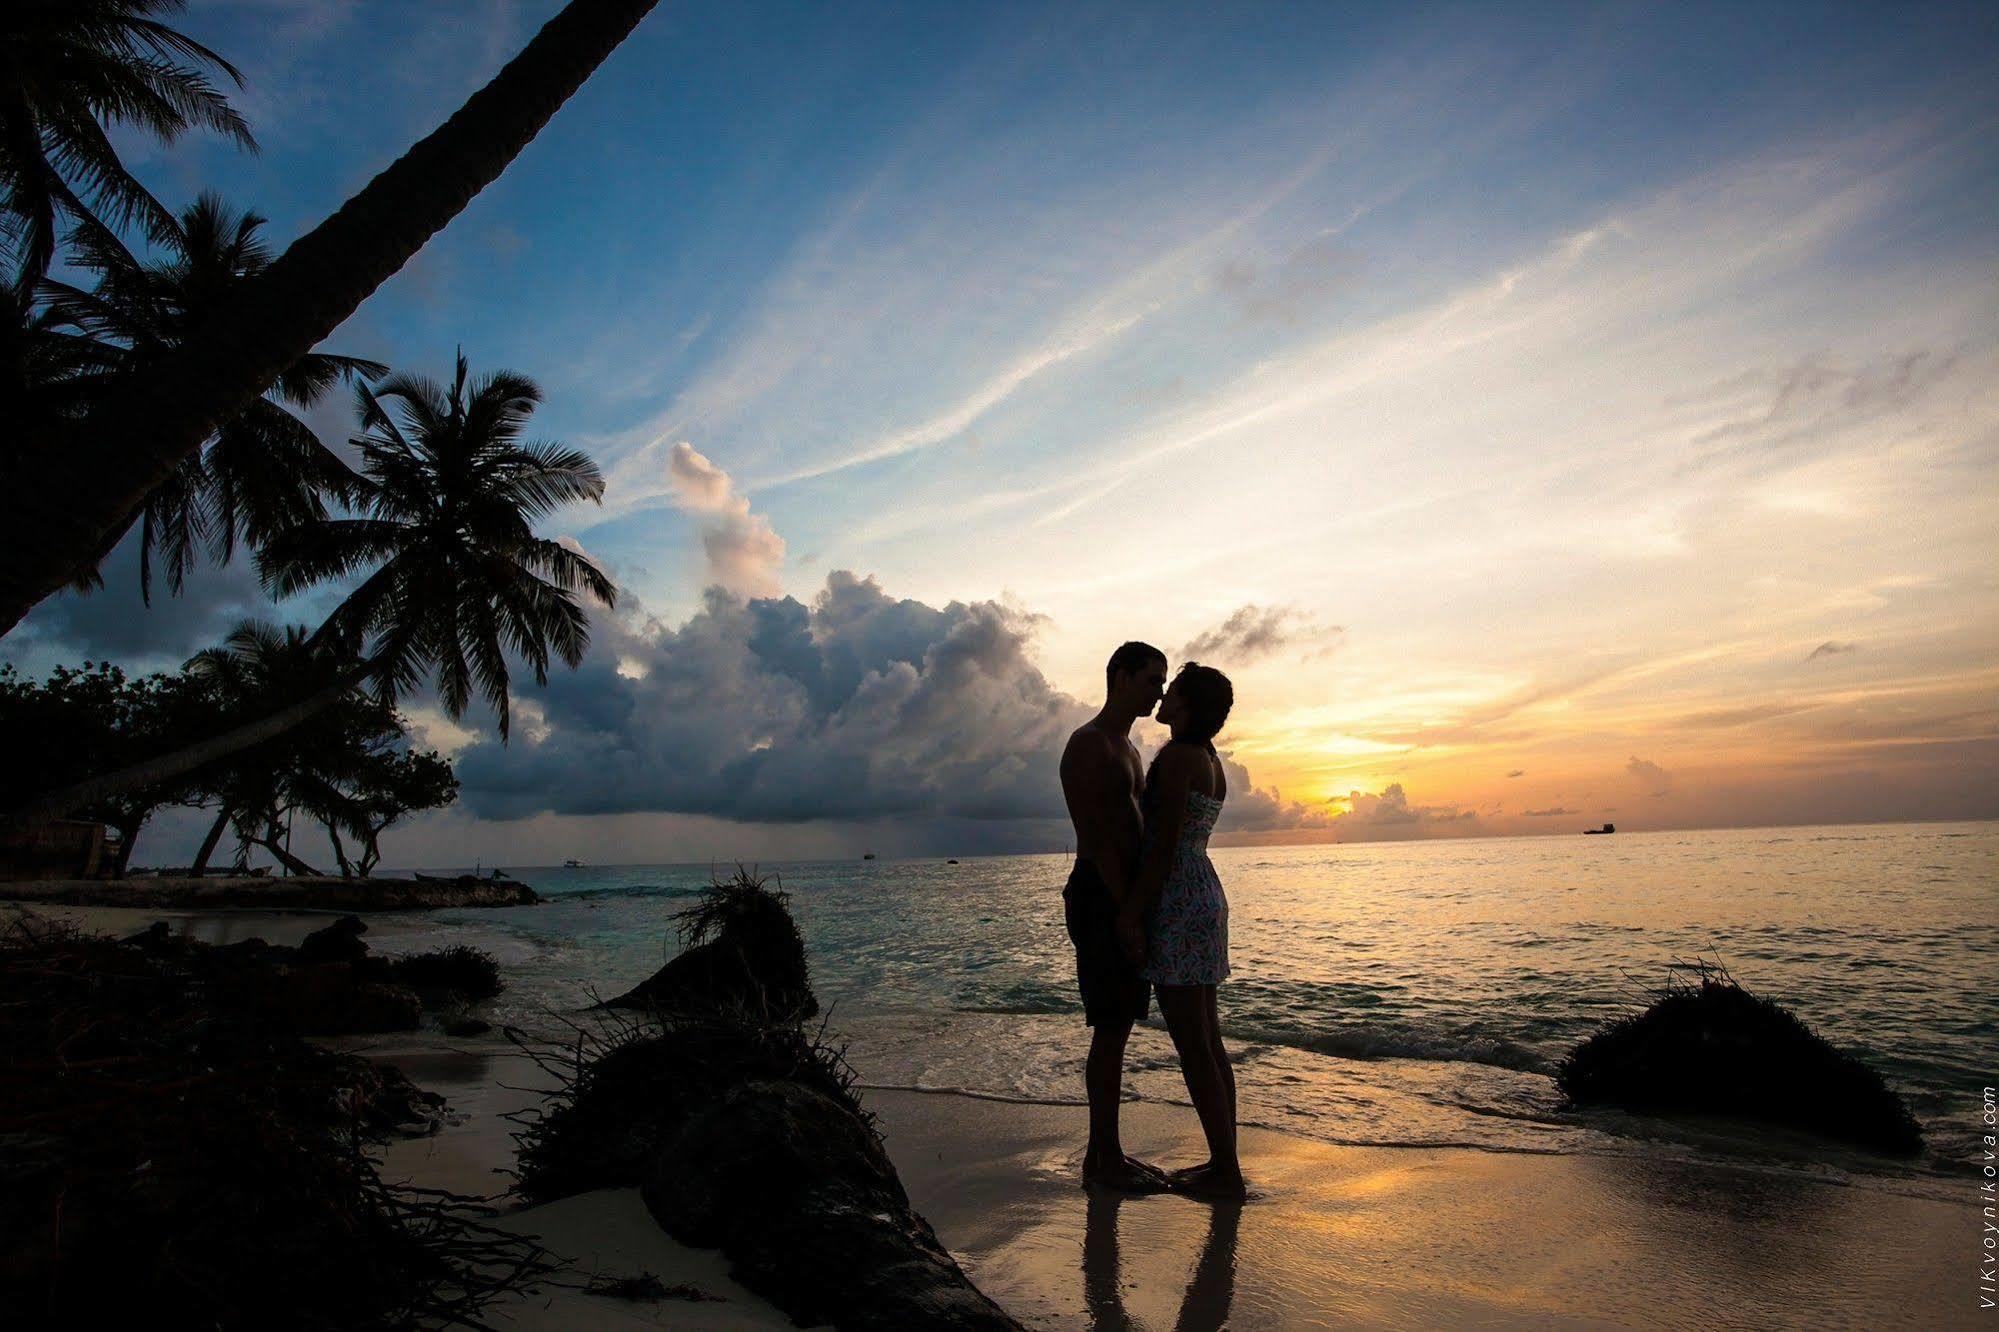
(349, 772)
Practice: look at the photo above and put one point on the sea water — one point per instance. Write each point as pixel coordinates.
(1413, 993)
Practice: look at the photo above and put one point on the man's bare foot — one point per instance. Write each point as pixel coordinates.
(1210, 1181)
(1126, 1174)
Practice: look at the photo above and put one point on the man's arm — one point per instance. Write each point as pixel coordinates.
(1174, 779)
(1098, 791)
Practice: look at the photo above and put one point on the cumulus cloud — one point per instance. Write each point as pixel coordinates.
(1255, 632)
(1829, 649)
(1654, 778)
(1390, 815)
(744, 551)
(1254, 809)
(856, 706)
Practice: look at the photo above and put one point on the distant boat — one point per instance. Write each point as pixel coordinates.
(1598, 832)
(867, 855)
(950, 862)
(574, 864)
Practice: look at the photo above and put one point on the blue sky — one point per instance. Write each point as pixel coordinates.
(1548, 383)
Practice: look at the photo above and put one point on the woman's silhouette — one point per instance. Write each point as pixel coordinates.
(1176, 918)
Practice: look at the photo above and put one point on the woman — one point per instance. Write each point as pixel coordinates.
(1176, 918)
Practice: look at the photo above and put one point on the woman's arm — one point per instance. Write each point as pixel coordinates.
(1162, 838)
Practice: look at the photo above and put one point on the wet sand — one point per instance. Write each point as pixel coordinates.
(1413, 1237)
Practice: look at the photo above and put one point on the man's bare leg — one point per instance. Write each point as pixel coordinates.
(1104, 1161)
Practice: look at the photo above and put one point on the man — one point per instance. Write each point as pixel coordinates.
(1101, 781)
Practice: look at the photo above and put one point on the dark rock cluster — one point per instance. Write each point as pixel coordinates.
(330, 985)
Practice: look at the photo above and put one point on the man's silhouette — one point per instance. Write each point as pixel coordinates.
(1101, 781)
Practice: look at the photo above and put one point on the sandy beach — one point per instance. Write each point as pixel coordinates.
(1335, 1236)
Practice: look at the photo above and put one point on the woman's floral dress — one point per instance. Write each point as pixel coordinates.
(1189, 934)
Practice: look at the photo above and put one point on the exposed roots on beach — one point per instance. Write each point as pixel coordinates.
(625, 1085)
(172, 1157)
(744, 1132)
(1705, 1045)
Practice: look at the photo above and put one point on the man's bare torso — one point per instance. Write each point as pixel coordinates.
(1101, 779)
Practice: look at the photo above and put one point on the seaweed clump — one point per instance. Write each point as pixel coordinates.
(460, 971)
(175, 1158)
(741, 950)
(1705, 1045)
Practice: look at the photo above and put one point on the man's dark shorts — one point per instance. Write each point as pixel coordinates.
(1114, 993)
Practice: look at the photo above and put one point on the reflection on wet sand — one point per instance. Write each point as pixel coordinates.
(1210, 1289)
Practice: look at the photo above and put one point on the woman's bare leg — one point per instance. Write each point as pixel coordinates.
(1222, 1060)
(1187, 1009)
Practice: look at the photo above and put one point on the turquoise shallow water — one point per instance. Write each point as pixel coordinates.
(1384, 993)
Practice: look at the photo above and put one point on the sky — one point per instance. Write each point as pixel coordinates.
(1547, 415)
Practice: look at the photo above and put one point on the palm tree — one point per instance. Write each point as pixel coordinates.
(448, 493)
(256, 670)
(264, 470)
(67, 485)
(451, 492)
(69, 69)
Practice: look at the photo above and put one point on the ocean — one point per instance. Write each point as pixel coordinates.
(1412, 993)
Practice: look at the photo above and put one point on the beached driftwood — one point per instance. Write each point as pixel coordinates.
(249, 890)
(748, 1136)
(741, 951)
(1708, 1046)
(743, 1131)
(796, 1189)
(174, 1157)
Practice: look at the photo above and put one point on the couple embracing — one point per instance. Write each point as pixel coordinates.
(1146, 910)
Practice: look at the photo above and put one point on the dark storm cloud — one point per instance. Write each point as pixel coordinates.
(114, 623)
(856, 706)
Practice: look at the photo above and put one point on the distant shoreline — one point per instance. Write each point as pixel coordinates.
(313, 892)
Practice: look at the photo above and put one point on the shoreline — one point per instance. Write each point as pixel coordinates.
(1334, 1235)
(261, 892)
(1338, 1234)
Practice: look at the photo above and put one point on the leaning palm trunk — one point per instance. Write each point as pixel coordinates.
(182, 761)
(209, 842)
(66, 486)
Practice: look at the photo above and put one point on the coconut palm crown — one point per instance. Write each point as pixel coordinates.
(68, 70)
(444, 520)
(264, 469)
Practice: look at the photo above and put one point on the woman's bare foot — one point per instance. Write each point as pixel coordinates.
(1213, 1182)
(1126, 1174)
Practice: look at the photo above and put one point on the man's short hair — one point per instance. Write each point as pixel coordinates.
(1132, 656)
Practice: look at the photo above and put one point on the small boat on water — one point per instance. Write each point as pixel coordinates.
(867, 855)
(574, 864)
(1598, 832)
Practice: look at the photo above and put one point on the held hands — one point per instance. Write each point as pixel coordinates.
(1131, 934)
